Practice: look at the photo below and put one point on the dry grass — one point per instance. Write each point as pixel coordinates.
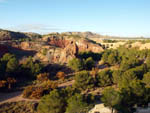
(18, 107)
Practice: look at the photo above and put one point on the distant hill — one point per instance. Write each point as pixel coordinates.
(95, 35)
(11, 35)
(83, 34)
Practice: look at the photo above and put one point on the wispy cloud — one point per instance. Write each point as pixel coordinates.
(2, 1)
(39, 28)
(46, 28)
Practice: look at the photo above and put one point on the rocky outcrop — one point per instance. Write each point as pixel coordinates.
(59, 55)
(57, 48)
(58, 41)
(82, 44)
(63, 49)
(85, 45)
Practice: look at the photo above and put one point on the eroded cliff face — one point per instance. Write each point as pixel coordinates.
(58, 54)
(63, 49)
(82, 44)
(85, 45)
(58, 41)
(57, 48)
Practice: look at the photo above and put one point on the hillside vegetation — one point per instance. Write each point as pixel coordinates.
(68, 73)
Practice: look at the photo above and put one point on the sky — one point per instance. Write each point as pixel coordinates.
(106, 17)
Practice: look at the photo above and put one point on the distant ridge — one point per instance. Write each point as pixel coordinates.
(12, 35)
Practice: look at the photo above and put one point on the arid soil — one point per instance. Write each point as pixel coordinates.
(17, 96)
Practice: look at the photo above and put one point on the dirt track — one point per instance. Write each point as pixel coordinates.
(17, 96)
(13, 97)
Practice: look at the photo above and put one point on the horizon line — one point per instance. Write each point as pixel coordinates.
(60, 32)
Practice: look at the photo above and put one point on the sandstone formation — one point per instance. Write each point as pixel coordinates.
(62, 49)
(51, 48)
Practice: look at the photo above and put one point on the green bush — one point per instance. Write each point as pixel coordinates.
(80, 64)
(19, 107)
(6, 57)
(52, 103)
(127, 78)
(146, 79)
(76, 64)
(128, 63)
(9, 65)
(83, 80)
(77, 104)
(31, 68)
(12, 65)
(111, 98)
(111, 57)
(104, 78)
(89, 63)
(116, 76)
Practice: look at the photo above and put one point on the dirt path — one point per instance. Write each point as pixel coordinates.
(13, 97)
(17, 96)
(69, 83)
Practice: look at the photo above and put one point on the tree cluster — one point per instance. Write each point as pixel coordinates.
(81, 64)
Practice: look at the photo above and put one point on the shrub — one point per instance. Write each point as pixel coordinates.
(32, 68)
(6, 57)
(10, 82)
(146, 79)
(39, 89)
(19, 107)
(94, 72)
(116, 76)
(28, 91)
(43, 77)
(111, 57)
(104, 78)
(69, 91)
(37, 93)
(83, 80)
(127, 78)
(60, 75)
(52, 103)
(128, 63)
(3, 83)
(111, 98)
(89, 63)
(76, 64)
(76, 104)
(8, 65)
(49, 84)
(12, 65)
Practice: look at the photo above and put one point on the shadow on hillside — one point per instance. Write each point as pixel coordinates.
(21, 53)
(102, 66)
(6, 96)
(54, 68)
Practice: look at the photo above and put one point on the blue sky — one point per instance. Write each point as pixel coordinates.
(108, 17)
